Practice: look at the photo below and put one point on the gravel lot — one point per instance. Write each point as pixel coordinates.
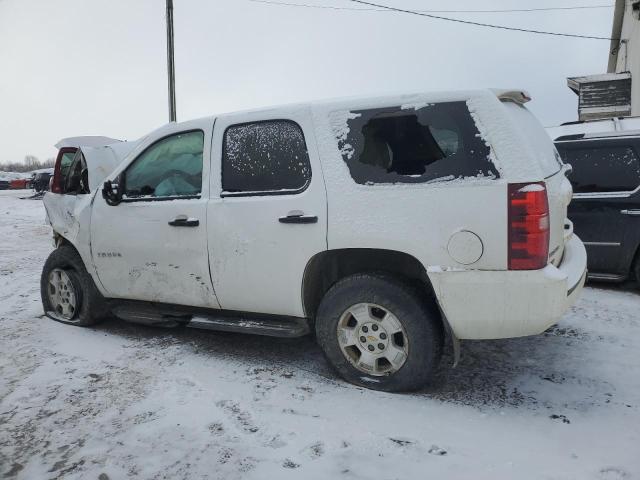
(121, 400)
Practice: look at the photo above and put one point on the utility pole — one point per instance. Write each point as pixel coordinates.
(170, 66)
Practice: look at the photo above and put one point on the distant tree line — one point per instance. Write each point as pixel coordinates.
(30, 163)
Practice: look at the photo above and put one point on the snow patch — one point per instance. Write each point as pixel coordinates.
(415, 106)
(533, 187)
(339, 121)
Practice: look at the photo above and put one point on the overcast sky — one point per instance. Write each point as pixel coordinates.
(98, 67)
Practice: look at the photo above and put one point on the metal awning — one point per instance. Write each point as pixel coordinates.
(602, 96)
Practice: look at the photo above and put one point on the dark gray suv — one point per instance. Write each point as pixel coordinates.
(606, 202)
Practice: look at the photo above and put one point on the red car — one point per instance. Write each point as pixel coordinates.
(19, 184)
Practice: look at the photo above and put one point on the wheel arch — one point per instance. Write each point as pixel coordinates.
(325, 268)
(60, 240)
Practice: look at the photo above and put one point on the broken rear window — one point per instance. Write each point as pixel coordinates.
(438, 142)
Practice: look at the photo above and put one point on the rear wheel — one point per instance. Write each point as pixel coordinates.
(378, 332)
(67, 290)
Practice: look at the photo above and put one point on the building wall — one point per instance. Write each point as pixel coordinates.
(629, 53)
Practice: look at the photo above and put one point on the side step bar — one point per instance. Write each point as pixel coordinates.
(287, 327)
(606, 277)
(159, 315)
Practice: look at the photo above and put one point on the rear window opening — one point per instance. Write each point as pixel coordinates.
(438, 142)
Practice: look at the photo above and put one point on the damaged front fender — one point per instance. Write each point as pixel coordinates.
(70, 219)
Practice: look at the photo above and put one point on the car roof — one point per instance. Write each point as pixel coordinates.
(598, 136)
(398, 98)
(592, 129)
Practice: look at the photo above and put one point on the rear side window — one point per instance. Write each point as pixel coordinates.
(438, 142)
(603, 168)
(265, 157)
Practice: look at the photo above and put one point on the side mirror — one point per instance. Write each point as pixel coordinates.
(112, 191)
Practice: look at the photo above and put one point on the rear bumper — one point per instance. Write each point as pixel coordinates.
(503, 304)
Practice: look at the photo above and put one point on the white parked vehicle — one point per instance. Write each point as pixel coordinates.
(380, 223)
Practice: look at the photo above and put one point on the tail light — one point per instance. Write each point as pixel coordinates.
(528, 226)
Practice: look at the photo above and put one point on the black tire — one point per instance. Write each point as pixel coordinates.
(419, 318)
(91, 306)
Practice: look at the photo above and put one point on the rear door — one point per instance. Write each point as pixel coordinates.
(605, 179)
(268, 214)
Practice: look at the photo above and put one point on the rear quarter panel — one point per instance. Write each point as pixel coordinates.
(419, 219)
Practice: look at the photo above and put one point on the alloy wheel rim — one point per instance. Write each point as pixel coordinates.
(372, 339)
(62, 294)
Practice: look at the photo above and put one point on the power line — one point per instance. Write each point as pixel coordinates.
(429, 14)
(384, 9)
(479, 24)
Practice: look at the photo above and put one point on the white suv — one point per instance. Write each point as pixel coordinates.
(380, 223)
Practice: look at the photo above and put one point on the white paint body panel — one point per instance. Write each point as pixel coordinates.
(503, 304)
(482, 300)
(70, 217)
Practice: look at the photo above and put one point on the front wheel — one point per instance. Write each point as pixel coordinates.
(378, 332)
(67, 290)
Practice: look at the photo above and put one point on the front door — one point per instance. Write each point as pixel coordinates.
(153, 245)
(268, 213)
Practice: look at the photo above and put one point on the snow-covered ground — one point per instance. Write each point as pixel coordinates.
(122, 400)
(13, 175)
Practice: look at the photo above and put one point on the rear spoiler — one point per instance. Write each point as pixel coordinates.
(518, 96)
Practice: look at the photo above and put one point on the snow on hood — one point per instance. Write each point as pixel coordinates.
(86, 141)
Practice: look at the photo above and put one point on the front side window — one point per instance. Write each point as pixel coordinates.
(602, 169)
(268, 156)
(171, 167)
(437, 142)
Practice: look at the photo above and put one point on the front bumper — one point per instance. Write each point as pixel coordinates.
(503, 304)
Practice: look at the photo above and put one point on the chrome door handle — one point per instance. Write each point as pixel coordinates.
(183, 221)
(298, 216)
(633, 213)
(298, 219)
